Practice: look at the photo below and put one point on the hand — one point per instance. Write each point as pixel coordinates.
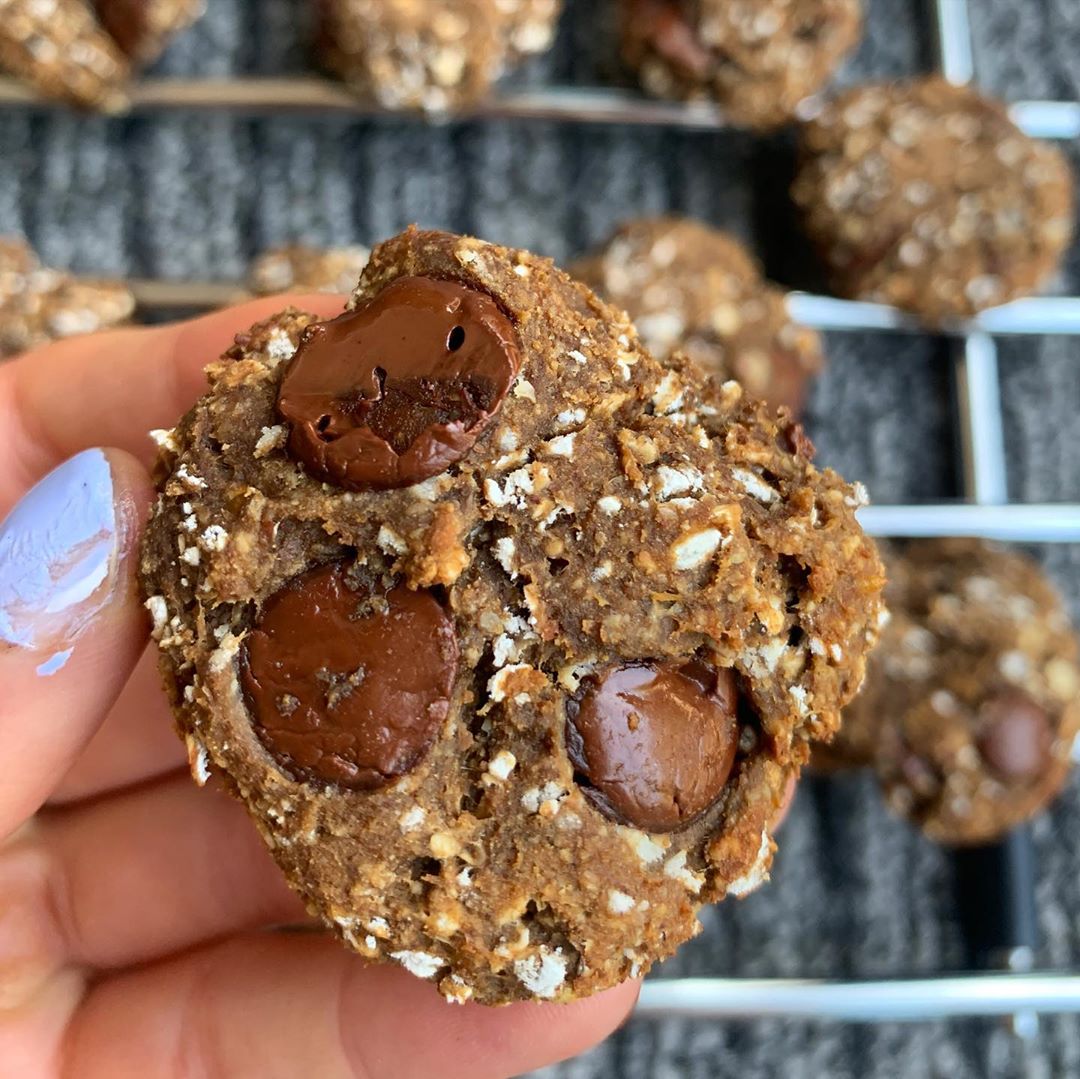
(134, 907)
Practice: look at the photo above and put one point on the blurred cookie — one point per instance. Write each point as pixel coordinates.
(300, 268)
(39, 305)
(927, 196)
(970, 708)
(756, 58)
(431, 54)
(142, 28)
(692, 288)
(60, 49)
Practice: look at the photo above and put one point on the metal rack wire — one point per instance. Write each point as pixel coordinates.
(985, 512)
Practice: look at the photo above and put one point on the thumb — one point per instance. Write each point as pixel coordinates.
(71, 627)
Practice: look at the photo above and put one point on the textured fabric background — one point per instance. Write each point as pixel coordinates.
(854, 893)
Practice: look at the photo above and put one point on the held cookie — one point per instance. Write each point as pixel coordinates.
(691, 288)
(970, 709)
(757, 58)
(926, 195)
(39, 305)
(508, 635)
(432, 55)
(299, 268)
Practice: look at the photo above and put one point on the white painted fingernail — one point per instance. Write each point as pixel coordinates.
(58, 558)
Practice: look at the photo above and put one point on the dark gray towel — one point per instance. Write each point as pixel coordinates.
(854, 893)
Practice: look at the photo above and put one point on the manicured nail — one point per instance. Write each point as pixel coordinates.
(58, 557)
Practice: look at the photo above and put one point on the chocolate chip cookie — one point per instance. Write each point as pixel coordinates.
(433, 55)
(300, 268)
(142, 28)
(927, 196)
(757, 58)
(970, 709)
(38, 305)
(692, 288)
(508, 635)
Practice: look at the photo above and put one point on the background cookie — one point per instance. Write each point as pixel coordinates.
(433, 55)
(970, 710)
(142, 28)
(38, 305)
(692, 288)
(599, 547)
(60, 49)
(925, 195)
(757, 58)
(299, 268)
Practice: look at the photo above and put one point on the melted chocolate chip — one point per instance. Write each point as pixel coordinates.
(399, 389)
(345, 686)
(654, 744)
(1015, 738)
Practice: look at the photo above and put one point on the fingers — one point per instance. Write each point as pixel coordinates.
(71, 626)
(284, 1006)
(135, 743)
(111, 388)
(133, 878)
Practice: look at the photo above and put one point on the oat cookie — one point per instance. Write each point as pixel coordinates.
(300, 268)
(59, 48)
(38, 305)
(757, 58)
(431, 54)
(692, 288)
(970, 709)
(508, 635)
(927, 196)
(142, 28)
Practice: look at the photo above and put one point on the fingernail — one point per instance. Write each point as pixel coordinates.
(58, 556)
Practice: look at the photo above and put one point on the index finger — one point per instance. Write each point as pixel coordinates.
(109, 389)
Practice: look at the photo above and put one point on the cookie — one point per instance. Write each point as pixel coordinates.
(39, 305)
(758, 59)
(62, 52)
(299, 268)
(970, 709)
(142, 28)
(431, 54)
(508, 635)
(692, 288)
(927, 196)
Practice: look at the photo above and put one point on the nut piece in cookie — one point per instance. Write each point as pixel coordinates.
(39, 305)
(970, 710)
(60, 50)
(142, 28)
(758, 59)
(927, 196)
(506, 715)
(691, 288)
(435, 55)
(299, 268)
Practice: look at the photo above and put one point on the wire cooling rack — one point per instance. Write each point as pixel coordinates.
(1014, 990)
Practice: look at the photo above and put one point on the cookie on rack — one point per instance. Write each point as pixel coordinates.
(433, 55)
(926, 195)
(691, 288)
(142, 28)
(302, 268)
(971, 706)
(509, 635)
(60, 49)
(758, 59)
(38, 305)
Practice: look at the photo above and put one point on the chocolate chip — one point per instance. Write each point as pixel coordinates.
(346, 685)
(654, 744)
(1014, 737)
(402, 387)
